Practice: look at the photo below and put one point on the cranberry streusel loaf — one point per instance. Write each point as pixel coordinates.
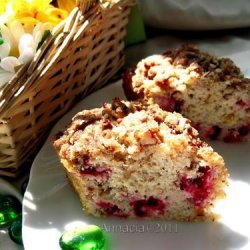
(136, 160)
(209, 91)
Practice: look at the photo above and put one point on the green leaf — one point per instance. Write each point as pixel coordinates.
(46, 35)
(1, 39)
(135, 29)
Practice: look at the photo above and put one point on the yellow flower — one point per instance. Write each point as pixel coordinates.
(3, 6)
(31, 12)
(66, 4)
(23, 6)
(40, 10)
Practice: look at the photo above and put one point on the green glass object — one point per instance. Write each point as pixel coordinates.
(10, 209)
(15, 231)
(89, 237)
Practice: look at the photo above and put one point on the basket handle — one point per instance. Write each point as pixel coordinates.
(85, 5)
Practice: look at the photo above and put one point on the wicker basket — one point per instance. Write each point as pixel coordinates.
(82, 54)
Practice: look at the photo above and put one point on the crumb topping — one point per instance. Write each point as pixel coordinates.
(124, 128)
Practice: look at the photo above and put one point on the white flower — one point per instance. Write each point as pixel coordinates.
(7, 68)
(27, 48)
(18, 47)
(6, 46)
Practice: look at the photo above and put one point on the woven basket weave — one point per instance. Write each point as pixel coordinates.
(82, 54)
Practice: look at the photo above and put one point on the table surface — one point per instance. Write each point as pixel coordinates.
(223, 43)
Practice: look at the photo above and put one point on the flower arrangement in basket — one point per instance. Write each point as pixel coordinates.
(50, 57)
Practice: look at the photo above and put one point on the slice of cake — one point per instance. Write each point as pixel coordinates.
(136, 160)
(210, 91)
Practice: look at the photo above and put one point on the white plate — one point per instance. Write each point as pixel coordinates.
(50, 206)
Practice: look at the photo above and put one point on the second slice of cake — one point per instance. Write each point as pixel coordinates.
(131, 159)
(210, 91)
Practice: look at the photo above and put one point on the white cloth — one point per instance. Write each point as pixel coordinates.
(236, 48)
(196, 14)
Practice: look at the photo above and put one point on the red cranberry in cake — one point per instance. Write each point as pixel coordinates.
(135, 160)
(244, 130)
(166, 103)
(110, 209)
(213, 132)
(148, 207)
(95, 171)
(208, 90)
(244, 103)
(199, 187)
